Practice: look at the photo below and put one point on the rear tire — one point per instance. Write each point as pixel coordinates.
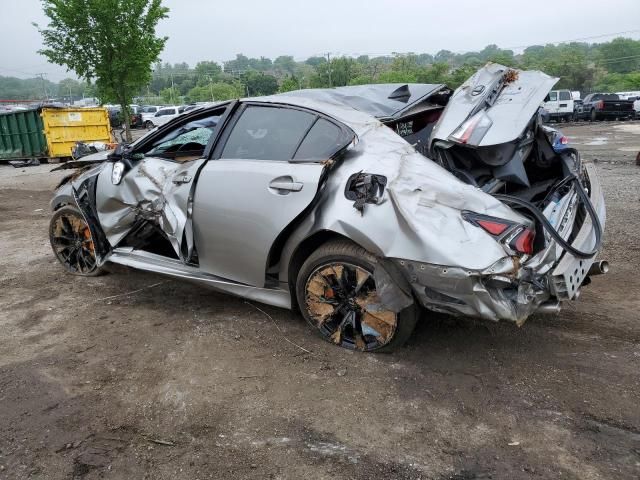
(336, 293)
(148, 124)
(72, 244)
(594, 116)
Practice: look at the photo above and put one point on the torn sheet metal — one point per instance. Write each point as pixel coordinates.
(154, 190)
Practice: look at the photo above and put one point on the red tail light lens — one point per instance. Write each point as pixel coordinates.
(517, 237)
(600, 105)
(523, 242)
(493, 227)
(564, 140)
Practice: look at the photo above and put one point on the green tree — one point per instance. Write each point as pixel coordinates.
(170, 95)
(315, 61)
(436, 73)
(285, 64)
(70, 88)
(207, 69)
(290, 83)
(215, 92)
(113, 42)
(258, 83)
(620, 55)
(362, 80)
(617, 82)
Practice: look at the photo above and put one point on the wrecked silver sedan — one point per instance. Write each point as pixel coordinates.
(356, 205)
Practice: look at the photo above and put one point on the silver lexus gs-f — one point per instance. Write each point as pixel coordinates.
(359, 206)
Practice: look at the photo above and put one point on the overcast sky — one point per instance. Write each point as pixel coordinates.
(210, 30)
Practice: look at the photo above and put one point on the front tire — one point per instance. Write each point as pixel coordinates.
(337, 295)
(148, 124)
(72, 243)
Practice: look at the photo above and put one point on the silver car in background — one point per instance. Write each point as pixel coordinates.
(356, 205)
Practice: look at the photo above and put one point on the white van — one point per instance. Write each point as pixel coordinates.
(559, 104)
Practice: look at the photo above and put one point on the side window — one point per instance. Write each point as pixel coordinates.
(267, 133)
(553, 96)
(163, 112)
(565, 95)
(323, 140)
(186, 142)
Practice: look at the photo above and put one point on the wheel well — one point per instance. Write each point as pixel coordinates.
(302, 252)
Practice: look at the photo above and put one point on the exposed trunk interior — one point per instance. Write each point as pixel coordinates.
(528, 168)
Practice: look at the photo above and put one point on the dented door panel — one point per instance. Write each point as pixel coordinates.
(155, 190)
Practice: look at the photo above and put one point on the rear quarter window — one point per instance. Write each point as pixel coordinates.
(565, 95)
(323, 140)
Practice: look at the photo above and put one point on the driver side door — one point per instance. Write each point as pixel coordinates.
(159, 185)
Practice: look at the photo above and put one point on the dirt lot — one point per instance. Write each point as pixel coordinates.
(129, 375)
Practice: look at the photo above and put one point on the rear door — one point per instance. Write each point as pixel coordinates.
(266, 170)
(565, 103)
(551, 103)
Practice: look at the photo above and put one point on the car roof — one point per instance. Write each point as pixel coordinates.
(383, 101)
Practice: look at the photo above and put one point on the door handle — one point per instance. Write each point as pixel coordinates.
(286, 184)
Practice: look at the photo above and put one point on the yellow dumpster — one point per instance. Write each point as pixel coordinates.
(63, 127)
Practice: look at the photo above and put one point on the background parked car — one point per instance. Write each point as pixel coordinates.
(163, 115)
(148, 111)
(135, 113)
(578, 108)
(115, 119)
(636, 106)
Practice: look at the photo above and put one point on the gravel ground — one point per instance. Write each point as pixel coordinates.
(129, 375)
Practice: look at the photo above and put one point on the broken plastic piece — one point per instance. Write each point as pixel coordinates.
(365, 188)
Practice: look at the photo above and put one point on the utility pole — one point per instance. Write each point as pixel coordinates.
(172, 89)
(329, 68)
(44, 86)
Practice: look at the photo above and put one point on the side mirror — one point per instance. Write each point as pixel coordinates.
(157, 114)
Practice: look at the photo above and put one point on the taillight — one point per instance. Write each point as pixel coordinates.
(564, 140)
(493, 227)
(600, 105)
(516, 237)
(522, 242)
(473, 130)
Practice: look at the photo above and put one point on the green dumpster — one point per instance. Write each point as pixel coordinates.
(22, 135)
